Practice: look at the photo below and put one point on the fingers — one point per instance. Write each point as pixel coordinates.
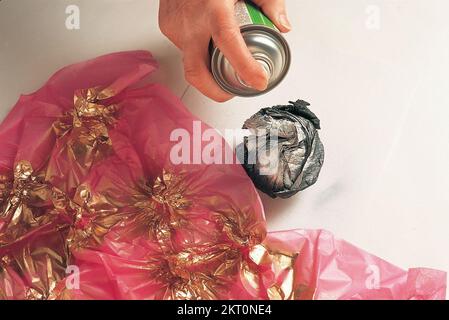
(227, 37)
(275, 10)
(196, 61)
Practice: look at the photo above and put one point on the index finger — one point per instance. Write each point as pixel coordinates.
(228, 38)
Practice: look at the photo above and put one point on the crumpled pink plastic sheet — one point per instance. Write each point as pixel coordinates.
(104, 197)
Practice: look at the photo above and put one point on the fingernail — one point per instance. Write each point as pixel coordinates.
(261, 86)
(260, 83)
(255, 83)
(283, 20)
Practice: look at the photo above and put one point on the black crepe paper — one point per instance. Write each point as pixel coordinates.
(299, 150)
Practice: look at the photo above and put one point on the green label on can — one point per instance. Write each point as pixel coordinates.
(248, 13)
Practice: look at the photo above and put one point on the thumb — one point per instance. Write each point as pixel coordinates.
(275, 10)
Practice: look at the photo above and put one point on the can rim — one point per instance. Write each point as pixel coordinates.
(216, 55)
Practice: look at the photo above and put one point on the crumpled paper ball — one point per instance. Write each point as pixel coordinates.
(284, 153)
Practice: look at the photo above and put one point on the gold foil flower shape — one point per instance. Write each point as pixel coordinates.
(89, 112)
(199, 273)
(94, 221)
(33, 208)
(189, 270)
(169, 189)
(160, 206)
(83, 138)
(26, 204)
(88, 124)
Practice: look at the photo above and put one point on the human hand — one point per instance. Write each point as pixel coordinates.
(191, 24)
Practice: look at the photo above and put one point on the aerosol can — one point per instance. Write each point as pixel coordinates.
(266, 44)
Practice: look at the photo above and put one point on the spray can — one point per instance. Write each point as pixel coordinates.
(266, 44)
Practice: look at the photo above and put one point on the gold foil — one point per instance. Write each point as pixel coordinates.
(198, 287)
(20, 211)
(46, 267)
(250, 276)
(32, 206)
(157, 209)
(41, 263)
(87, 129)
(97, 216)
(28, 203)
(5, 188)
(282, 264)
(197, 272)
(169, 189)
(196, 275)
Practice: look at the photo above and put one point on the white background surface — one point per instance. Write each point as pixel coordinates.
(382, 95)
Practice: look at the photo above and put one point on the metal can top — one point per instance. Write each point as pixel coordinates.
(268, 47)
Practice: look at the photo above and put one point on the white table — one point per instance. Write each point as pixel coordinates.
(374, 71)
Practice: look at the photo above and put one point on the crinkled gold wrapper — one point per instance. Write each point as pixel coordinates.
(38, 222)
(41, 225)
